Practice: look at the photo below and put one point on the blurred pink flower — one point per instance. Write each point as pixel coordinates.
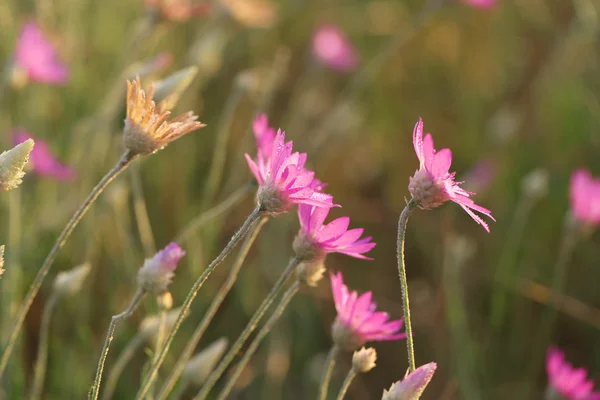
(480, 175)
(413, 385)
(572, 383)
(283, 179)
(484, 4)
(43, 162)
(314, 237)
(265, 136)
(357, 320)
(433, 184)
(178, 10)
(585, 197)
(157, 272)
(334, 49)
(37, 57)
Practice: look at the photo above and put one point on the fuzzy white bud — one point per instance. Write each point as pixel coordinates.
(199, 367)
(363, 360)
(12, 163)
(70, 282)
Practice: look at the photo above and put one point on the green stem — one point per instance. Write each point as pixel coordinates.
(60, 242)
(347, 382)
(141, 212)
(42, 354)
(95, 389)
(119, 366)
(188, 351)
(410, 347)
(285, 300)
(250, 327)
(160, 339)
(152, 374)
(327, 372)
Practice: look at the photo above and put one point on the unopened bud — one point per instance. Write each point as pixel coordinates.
(311, 272)
(412, 386)
(199, 367)
(363, 360)
(12, 163)
(165, 301)
(535, 183)
(157, 272)
(70, 282)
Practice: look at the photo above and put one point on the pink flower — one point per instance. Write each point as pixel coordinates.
(572, 383)
(413, 385)
(265, 136)
(333, 48)
(433, 184)
(42, 160)
(357, 320)
(585, 197)
(157, 272)
(283, 179)
(317, 240)
(483, 4)
(37, 57)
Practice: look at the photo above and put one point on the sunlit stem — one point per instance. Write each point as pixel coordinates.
(347, 382)
(119, 366)
(328, 372)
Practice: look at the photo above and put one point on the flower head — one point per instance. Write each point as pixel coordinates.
(357, 320)
(36, 57)
(265, 136)
(585, 197)
(283, 180)
(569, 382)
(177, 10)
(157, 272)
(413, 385)
(433, 184)
(12, 163)
(70, 282)
(363, 360)
(332, 48)
(483, 4)
(316, 240)
(43, 162)
(146, 127)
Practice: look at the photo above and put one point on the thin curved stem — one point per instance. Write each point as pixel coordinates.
(250, 327)
(141, 212)
(410, 347)
(327, 372)
(347, 382)
(42, 354)
(285, 300)
(152, 374)
(95, 389)
(119, 366)
(206, 216)
(188, 351)
(160, 339)
(60, 242)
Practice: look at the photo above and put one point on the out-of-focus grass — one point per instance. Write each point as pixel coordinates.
(516, 86)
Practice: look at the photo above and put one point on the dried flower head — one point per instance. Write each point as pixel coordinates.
(333, 48)
(1, 260)
(42, 161)
(157, 272)
(412, 386)
(149, 325)
(568, 382)
(36, 58)
(316, 240)
(357, 320)
(433, 184)
(363, 360)
(70, 282)
(146, 127)
(12, 163)
(585, 197)
(199, 367)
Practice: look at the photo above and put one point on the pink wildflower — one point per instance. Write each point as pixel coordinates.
(265, 136)
(483, 4)
(569, 382)
(283, 179)
(316, 239)
(43, 162)
(157, 272)
(357, 322)
(37, 58)
(413, 385)
(433, 184)
(333, 48)
(585, 197)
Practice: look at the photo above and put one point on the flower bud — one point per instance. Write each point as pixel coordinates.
(157, 272)
(363, 360)
(165, 301)
(311, 272)
(70, 282)
(12, 163)
(1, 260)
(412, 386)
(199, 367)
(535, 183)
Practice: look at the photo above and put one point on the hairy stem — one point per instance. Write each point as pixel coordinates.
(327, 372)
(95, 389)
(60, 242)
(141, 212)
(347, 382)
(117, 369)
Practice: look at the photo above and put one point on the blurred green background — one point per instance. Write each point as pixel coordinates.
(513, 89)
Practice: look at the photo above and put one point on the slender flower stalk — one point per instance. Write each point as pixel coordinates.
(264, 331)
(141, 211)
(347, 382)
(402, 222)
(250, 327)
(121, 165)
(95, 389)
(119, 366)
(187, 352)
(256, 214)
(328, 372)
